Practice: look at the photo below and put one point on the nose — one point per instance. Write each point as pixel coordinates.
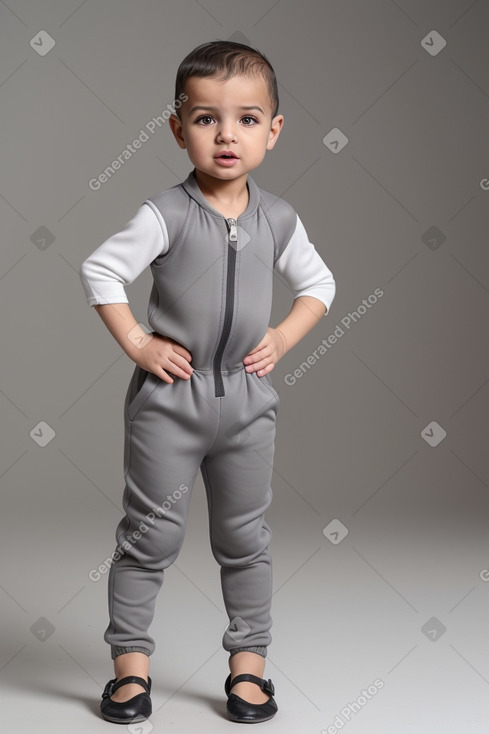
(226, 131)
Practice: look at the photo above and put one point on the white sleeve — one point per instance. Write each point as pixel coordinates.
(120, 259)
(304, 270)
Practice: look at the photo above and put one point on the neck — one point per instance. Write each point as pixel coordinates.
(227, 192)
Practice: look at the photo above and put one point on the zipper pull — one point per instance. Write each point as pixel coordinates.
(233, 230)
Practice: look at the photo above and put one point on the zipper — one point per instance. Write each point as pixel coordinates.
(232, 228)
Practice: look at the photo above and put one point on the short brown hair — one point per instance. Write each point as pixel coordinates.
(212, 58)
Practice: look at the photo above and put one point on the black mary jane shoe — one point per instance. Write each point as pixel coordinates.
(245, 712)
(137, 708)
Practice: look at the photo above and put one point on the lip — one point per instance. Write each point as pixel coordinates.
(226, 162)
(226, 152)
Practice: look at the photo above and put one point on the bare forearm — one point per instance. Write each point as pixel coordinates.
(120, 321)
(153, 352)
(305, 313)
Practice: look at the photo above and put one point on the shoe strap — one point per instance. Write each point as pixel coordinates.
(266, 685)
(113, 685)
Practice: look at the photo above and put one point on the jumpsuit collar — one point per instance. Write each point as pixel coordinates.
(192, 188)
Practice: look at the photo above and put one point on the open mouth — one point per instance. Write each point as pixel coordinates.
(226, 156)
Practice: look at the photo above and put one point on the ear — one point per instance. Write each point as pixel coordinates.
(276, 127)
(177, 130)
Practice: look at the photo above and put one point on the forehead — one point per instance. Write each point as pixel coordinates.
(234, 92)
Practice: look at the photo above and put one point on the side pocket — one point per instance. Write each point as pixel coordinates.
(145, 383)
(268, 381)
(265, 380)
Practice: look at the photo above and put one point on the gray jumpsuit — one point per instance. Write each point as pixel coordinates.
(212, 293)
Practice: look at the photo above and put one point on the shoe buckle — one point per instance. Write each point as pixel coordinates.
(108, 689)
(268, 687)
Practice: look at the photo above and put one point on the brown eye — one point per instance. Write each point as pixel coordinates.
(204, 117)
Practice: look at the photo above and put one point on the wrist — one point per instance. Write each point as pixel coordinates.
(134, 341)
(284, 338)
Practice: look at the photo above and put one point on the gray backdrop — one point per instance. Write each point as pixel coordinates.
(380, 510)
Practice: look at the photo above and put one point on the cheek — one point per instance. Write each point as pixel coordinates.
(190, 137)
(260, 141)
(198, 138)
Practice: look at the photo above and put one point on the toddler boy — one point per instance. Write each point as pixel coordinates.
(200, 397)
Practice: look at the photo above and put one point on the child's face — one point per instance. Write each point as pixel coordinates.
(215, 118)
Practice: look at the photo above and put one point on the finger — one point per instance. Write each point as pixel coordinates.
(165, 376)
(266, 369)
(178, 349)
(181, 363)
(256, 355)
(178, 372)
(259, 365)
(183, 370)
(259, 357)
(175, 347)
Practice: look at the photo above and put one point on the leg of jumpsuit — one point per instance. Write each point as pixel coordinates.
(237, 475)
(169, 427)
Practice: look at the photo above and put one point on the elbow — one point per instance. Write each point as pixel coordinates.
(333, 289)
(85, 273)
(84, 270)
(330, 295)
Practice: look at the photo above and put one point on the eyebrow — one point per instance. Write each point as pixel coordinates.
(211, 109)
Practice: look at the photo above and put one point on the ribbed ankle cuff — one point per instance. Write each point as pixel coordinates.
(259, 650)
(116, 650)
